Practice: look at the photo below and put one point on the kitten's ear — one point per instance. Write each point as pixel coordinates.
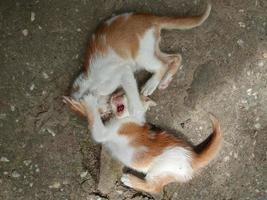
(75, 106)
(148, 102)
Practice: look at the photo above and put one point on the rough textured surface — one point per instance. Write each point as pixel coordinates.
(46, 152)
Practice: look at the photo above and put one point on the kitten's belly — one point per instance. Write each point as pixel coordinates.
(122, 152)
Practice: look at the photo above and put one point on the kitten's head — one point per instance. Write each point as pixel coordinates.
(119, 104)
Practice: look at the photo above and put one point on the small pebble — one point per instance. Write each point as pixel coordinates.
(249, 91)
(15, 174)
(264, 55)
(40, 28)
(257, 126)
(32, 87)
(79, 30)
(225, 159)
(27, 162)
(257, 191)
(55, 185)
(31, 184)
(45, 75)
(32, 16)
(12, 108)
(242, 24)
(5, 173)
(261, 63)
(4, 159)
(83, 174)
(240, 42)
(25, 32)
(51, 132)
(235, 155)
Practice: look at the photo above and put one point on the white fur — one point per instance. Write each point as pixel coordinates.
(175, 161)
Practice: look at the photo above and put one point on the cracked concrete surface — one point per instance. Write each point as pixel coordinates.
(46, 152)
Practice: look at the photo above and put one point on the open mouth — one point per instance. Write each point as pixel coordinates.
(120, 108)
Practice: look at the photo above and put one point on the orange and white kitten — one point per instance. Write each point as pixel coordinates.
(162, 157)
(125, 44)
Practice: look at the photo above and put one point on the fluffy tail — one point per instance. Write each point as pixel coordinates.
(209, 148)
(182, 22)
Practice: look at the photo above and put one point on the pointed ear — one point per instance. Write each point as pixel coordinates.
(75, 106)
(148, 102)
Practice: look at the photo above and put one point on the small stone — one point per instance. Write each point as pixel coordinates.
(27, 162)
(261, 63)
(4, 159)
(37, 170)
(31, 184)
(242, 24)
(5, 173)
(15, 174)
(257, 191)
(229, 55)
(25, 32)
(235, 155)
(240, 42)
(79, 30)
(83, 174)
(244, 101)
(249, 91)
(44, 92)
(55, 185)
(41, 146)
(241, 10)
(257, 126)
(45, 75)
(12, 108)
(200, 128)
(51, 132)
(32, 87)
(65, 182)
(40, 28)
(225, 159)
(32, 16)
(253, 155)
(264, 55)
(254, 143)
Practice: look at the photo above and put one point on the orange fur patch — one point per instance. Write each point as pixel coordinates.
(154, 142)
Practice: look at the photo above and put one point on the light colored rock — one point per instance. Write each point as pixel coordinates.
(55, 185)
(32, 16)
(15, 174)
(4, 159)
(25, 32)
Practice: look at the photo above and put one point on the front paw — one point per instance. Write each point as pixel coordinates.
(126, 180)
(150, 86)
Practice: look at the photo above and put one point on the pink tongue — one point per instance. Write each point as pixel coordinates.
(120, 108)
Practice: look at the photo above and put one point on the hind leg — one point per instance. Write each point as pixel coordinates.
(154, 185)
(173, 62)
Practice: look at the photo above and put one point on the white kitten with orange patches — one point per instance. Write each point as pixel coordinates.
(127, 43)
(161, 156)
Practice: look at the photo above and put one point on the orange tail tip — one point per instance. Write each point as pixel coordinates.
(183, 22)
(209, 147)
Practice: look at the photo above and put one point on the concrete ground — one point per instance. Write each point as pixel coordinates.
(46, 152)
